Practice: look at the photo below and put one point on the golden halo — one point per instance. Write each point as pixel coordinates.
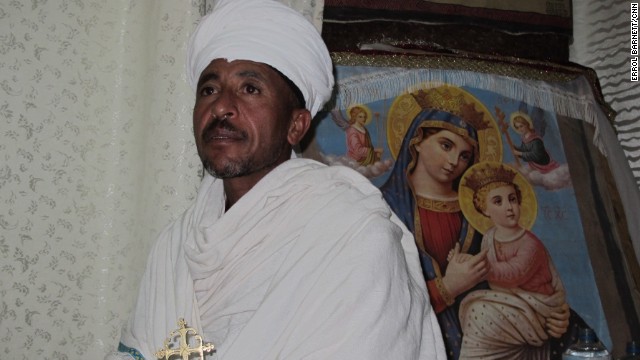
(516, 114)
(528, 206)
(366, 109)
(405, 108)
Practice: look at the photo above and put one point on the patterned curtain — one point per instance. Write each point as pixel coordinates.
(97, 157)
(311, 9)
(601, 40)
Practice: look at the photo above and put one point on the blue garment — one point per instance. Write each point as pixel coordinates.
(131, 351)
(398, 194)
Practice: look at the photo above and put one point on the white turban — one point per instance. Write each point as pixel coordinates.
(268, 32)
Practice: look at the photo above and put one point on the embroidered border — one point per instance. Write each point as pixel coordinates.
(131, 351)
(448, 299)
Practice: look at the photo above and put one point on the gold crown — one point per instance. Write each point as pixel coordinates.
(446, 100)
(484, 174)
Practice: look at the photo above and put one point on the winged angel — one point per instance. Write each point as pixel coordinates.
(361, 153)
(542, 169)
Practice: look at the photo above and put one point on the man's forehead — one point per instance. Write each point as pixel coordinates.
(238, 67)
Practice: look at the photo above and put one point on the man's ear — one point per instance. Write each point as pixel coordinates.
(300, 123)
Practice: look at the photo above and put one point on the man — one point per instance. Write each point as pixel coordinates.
(278, 258)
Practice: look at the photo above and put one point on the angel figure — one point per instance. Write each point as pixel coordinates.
(531, 130)
(359, 145)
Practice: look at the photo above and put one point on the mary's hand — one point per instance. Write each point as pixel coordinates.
(557, 322)
(464, 271)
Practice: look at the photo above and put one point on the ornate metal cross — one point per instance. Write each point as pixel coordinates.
(184, 350)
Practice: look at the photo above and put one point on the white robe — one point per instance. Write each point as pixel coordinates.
(309, 264)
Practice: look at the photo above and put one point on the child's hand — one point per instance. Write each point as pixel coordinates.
(456, 255)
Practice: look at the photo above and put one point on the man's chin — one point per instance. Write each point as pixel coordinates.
(225, 171)
(227, 167)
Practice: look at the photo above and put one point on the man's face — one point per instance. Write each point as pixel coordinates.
(242, 118)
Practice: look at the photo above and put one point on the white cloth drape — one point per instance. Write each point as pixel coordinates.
(325, 232)
(602, 41)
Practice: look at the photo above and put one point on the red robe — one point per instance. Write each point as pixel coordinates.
(438, 226)
(359, 146)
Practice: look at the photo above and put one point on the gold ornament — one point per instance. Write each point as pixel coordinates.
(406, 106)
(444, 98)
(184, 351)
(481, 176)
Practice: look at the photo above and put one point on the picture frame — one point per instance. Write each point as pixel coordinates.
(577, 212)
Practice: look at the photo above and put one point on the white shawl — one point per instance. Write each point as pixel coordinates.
(310, 264)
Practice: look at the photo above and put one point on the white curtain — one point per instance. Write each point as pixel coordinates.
(96, 156)
(602, 41)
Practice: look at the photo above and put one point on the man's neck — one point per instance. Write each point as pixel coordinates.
(236, 187)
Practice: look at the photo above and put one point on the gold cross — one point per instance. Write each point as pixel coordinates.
(184, 351)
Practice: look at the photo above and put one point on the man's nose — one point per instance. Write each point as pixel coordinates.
(224, 106)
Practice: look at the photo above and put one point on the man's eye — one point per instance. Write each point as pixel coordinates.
(205, 91)
(250, 89)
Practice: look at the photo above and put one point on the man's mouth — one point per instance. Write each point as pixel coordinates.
(222, 131)
(221, 135)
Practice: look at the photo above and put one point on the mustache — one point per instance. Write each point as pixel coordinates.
(221, 126)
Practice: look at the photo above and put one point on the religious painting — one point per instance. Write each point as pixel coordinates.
(450, 150)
